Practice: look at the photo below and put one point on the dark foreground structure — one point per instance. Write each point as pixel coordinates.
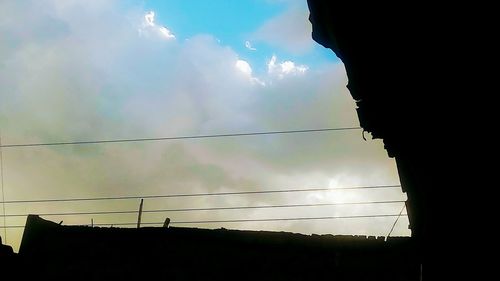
(50, 251)
(386, 49)
(398, 60)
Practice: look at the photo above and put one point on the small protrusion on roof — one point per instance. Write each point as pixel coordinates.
(166, 223)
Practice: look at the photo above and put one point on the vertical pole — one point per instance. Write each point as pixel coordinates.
(92, 222)
(140, 214)
(421, 272)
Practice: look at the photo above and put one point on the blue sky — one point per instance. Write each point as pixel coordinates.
(105, 69)
(235, 23)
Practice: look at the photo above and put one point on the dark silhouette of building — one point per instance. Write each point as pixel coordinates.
(57, 252)
(5, 250)
(9, 263)
(401, 60)
(379, 44)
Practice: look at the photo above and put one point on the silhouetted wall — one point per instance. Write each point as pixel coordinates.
(395, 60)
(59, 252)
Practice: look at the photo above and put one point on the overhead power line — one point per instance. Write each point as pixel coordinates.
(178, 137)
(210, 209)
(396, 221)
(198, 194)
(233, 221)
(285, 219)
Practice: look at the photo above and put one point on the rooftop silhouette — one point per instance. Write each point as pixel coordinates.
(59, 252)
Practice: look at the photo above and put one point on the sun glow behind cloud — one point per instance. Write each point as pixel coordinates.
(81, 70)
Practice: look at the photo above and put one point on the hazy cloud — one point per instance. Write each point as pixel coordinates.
(290, 31)
(90, 75)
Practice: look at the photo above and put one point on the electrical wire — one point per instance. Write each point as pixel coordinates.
(235, 221)
(395, 222)
(210, 209)
(198, 194)
(179, 137)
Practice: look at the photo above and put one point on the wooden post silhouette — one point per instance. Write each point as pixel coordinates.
(140, 214)
(166, 223)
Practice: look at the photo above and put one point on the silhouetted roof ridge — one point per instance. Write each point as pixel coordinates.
(35, 224)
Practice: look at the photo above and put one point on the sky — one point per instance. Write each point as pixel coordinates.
(101, 69)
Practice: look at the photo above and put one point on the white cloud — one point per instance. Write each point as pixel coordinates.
(166, 33)
(244, 67)
(248, 45)
(288, 67)
(150, 18)
(150, 27)
(285, 68)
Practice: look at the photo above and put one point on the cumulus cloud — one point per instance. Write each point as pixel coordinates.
(244, 67)
(87, 76)
(284, 68)
(290, 31)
